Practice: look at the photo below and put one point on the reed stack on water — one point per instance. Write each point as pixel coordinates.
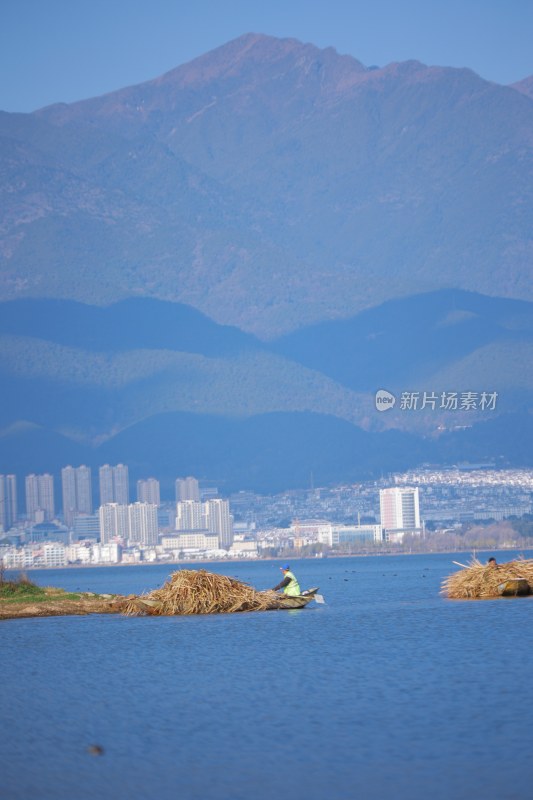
(479, 581)
(201, 592)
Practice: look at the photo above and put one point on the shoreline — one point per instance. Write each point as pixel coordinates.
(233, 561)
(59, 602)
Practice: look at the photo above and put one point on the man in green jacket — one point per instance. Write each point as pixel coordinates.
(289, 584)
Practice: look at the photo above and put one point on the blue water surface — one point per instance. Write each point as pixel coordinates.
(387, 691)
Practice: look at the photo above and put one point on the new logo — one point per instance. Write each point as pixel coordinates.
(384, 400)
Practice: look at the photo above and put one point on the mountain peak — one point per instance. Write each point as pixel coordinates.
(247, 62)
(255, 51)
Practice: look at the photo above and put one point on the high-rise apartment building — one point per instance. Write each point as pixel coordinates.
(135, 523)
(148, 491)
(77, 492)
(399, 510)
(107, 494)
(187, 489)
(219, 520)
(40, 497)
(213, 516)
(113, 522)
(114, 484)
(142, 522)
(8, 501)
(68, 492)
(190, 516)
(121, 484)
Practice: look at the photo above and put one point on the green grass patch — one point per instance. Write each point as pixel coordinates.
(20, 589)
(23, 590)
(39, 598)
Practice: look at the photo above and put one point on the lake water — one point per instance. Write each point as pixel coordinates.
(387, 691)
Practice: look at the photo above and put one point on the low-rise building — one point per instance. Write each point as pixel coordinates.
(54, 554)
(333, 535)
(190, 540)
(244, 549)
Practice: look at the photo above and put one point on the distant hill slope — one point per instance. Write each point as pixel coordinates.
(266, 453)
(128, 325)
(91, 373)
(403, 341)
(272, 185)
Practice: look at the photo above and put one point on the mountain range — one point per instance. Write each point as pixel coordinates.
(243, 251)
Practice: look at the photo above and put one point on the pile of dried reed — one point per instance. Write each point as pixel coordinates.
(480, 581)
(200, 592)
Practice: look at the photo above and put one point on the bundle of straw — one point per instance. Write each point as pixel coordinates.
(200, 592)
(480, 581)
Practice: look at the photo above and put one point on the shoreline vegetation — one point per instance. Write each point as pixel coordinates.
(293, 555)
(20, 597)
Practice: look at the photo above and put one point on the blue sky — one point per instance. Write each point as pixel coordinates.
(65, 50)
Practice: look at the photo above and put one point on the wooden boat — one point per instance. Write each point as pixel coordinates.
(299, 600)
(516, 587)
(151, 607)
(146, 606)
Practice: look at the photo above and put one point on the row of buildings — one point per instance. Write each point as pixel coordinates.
(138, 523)
(200, 524)
(77, 493)
(137, 531)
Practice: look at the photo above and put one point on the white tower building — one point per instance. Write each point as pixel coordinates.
(190, 516)
(400, 511)
(142, 521)
(113, 522)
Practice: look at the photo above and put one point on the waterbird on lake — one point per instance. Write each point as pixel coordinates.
(95, 750)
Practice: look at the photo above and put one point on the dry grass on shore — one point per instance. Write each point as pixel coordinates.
(481, 581)
(200, 592)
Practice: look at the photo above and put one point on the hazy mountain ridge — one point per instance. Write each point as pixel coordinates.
(403, 341)
(91, 372)
(266, 453)
(130, 324)
(103, 387)
(271, 185)
(92, 396)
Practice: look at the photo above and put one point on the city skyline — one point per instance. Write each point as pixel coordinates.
(349, 518)
(464, 475)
